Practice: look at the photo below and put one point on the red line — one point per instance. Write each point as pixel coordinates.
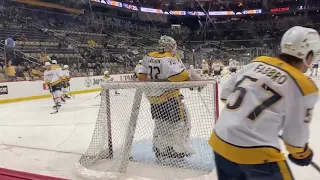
(7, 174)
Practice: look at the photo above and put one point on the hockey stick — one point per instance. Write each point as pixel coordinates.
(97, 96)
(315, 166)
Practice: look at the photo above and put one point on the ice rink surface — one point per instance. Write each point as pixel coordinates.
(32, 140)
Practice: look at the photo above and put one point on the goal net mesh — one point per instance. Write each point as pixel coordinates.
(152, 130)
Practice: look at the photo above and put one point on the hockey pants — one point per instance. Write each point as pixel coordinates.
(228, 170)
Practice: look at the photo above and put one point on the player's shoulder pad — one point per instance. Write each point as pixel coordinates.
(304, 83)
(157, 54)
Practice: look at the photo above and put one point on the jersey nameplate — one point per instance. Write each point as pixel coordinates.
(273, 73)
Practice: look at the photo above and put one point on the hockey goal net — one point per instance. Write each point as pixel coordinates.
(153, 130)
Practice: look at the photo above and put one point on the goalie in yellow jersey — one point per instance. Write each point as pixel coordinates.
(268, 97)
(171, 135)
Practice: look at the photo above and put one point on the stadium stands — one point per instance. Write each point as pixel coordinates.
(92, 41)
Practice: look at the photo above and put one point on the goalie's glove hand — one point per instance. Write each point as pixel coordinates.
(193, 74)
(302, 159)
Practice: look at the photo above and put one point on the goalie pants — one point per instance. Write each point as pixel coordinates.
(228, 170)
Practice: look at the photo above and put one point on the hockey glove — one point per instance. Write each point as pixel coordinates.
(302, 159)
(50, 88)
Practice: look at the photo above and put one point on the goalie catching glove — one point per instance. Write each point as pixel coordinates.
(302, 159)
(194, 76)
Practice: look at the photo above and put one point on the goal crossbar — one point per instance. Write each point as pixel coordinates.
(154, 85)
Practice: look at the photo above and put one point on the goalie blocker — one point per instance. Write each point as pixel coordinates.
(122, 143)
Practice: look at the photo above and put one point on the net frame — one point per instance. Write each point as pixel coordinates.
(87, 173)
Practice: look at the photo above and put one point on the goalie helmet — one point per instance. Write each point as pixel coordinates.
(65, 67)
(167, 44)
(299, 41)
(47, 64)
(140, 61)
(54, 62)
(106, 73)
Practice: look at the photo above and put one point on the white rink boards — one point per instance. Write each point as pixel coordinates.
(38, 142)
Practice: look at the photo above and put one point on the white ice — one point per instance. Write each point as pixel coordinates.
(32, 140)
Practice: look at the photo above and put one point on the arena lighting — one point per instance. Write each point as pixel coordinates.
(177, 13)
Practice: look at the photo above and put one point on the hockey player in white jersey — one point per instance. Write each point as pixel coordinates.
(217, 68)
(314, 68)
(53, 76)
(107, 78)
(137, 69)
(171, 136)
(205, 68)
(268, 96)
(233, 66)
(66, 82)
(58, 68)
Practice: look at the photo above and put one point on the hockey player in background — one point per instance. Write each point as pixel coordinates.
(233, 64)
(107, 78)
(171, 135)
(314, 68)
(259, 107)
(53, 77)
(66, 82)
(205, 68)
(137, 69)
(217, 68)
(55, 66)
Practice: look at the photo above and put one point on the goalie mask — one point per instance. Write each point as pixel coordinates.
(167, 44)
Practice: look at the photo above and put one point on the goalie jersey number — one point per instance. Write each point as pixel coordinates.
(154, 71)
(240, 93)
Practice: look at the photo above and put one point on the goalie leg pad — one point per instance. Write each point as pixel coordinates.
(172, 128)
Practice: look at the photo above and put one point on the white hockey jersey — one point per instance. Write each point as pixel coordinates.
(158, 66)
(266, 97)
(217, 66)
(233, 64)
(204, 66)
(54, 76)
(66, 73)
(136, 70)
(107, 78)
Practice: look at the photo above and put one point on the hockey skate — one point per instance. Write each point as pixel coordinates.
(170, 152)
(66, 96)
(58, 105)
